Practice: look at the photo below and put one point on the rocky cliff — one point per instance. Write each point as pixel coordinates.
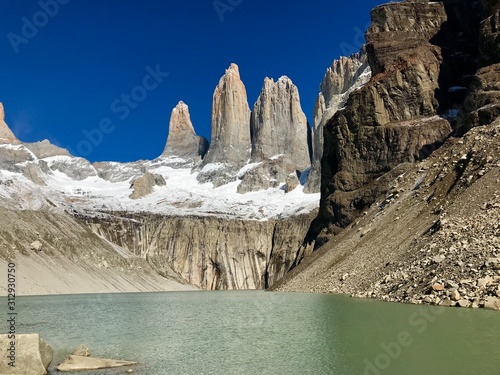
(230, 144)
(209, 252)
(182, 141)
(280, 136)
(429, 223)
(344, 76)
(6, 135)
(393, 118)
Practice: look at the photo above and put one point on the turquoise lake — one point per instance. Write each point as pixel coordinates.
(256, 332)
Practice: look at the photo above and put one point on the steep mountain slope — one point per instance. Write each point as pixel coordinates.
(402, 221)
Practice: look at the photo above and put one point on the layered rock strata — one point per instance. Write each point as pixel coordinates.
(344, 76)
(392, 119)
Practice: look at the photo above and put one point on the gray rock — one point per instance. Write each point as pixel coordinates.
(230, 143)
(32, 355)
(280, 136)
(145, 184)
(6, 135)
(82, 350)
(344, 76)
(463, 303)
(278, 125)
(438, 259)
(455, 295)
(492, 303)
(44, 149)
(80, 363)
(182, 140)
(291, 182)
(36, 246)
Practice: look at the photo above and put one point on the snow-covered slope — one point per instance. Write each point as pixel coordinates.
(74, 184)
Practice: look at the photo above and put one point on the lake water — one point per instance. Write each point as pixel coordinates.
(256, 332)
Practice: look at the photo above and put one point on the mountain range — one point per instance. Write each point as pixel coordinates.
(402, 132)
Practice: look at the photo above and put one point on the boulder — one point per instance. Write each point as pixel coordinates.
(32, 355)
(81, 363)
(291, 182)
(144, 185)
(82, 351)
(36, 246)
(492, 303)
(455, 295)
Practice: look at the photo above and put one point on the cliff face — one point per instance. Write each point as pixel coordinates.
(6, 135)
(429, 229)
(392, 119)
(182, 141)
(230, 144)
(344, 76)
(280, 136)
(209, 252)
(59, 254)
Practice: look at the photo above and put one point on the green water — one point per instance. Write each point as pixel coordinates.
(255, 332)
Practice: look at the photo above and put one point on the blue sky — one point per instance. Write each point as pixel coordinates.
(68, 66)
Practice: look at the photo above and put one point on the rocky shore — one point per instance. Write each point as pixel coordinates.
(433, 238)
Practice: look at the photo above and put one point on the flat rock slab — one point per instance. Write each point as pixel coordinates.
(79, 363)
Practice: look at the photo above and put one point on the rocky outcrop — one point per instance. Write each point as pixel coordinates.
(482, 104)
(278, 125)
(30, 355)
(82, 363)
(230, 143)
(11, 149)
(489, 41)
(392, 119)
(144, 185)
(45, 149)
(6, 135)
(210, 252)
(280, 136)
(344, 76)
(182, 141)
(73, 259)
(434, 238)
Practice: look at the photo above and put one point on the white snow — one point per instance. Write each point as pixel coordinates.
(182, 195)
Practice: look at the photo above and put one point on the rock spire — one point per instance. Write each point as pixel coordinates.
(182, 140)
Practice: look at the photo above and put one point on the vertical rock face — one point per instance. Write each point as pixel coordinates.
(210, 252)
(230, 139)
(278, 125)
(392, 119)
(6, 135)
(182, 140)
(343, 77)
(280, 136)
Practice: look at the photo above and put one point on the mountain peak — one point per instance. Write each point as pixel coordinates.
(6, 135)
(182, 140)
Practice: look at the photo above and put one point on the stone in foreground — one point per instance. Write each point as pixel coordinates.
(80, 363)
(32, 355)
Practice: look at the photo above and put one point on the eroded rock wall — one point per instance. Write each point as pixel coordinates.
(392, 119)
(209, 252)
